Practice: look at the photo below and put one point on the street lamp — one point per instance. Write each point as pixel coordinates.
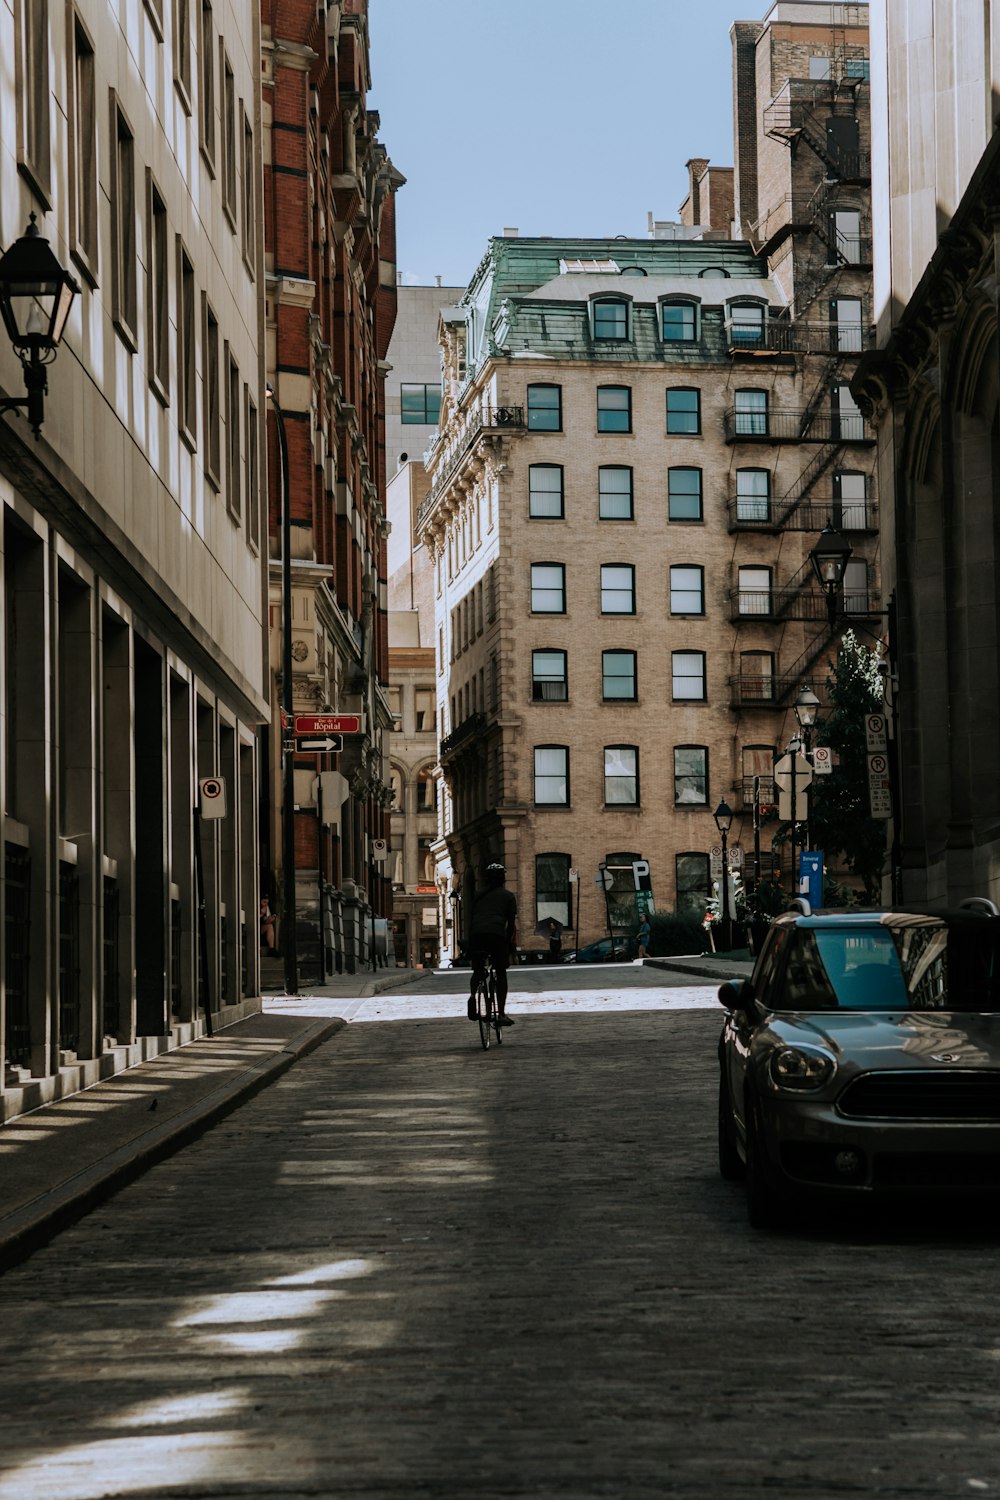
(723, 816)
(289, 936)
(829, 558)
(805, 708)
(36, 295)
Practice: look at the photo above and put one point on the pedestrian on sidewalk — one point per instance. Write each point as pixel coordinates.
(644, 933)
(555, 941)
(266, 926)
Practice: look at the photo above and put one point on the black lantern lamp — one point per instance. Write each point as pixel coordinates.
(806, 706)
(36, 295)
(829, 558)
(723, 816)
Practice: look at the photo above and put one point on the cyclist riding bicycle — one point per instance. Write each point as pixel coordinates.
(491, 935)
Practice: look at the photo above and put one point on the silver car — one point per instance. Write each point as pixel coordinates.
(863, 1059)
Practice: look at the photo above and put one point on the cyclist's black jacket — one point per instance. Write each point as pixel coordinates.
(493, 914)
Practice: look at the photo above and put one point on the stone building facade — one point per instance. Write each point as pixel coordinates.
(134, 645)
(329, 227)
(933, 390)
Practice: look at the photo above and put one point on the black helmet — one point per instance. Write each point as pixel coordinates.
(495, 874)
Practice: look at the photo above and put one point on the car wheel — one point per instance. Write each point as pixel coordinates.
(766, 1207)
(730, 1162)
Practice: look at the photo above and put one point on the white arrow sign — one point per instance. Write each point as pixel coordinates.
(322, 744)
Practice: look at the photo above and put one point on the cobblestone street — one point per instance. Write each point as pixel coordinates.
(411, 1268)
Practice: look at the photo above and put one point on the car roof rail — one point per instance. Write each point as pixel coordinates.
(980, 903)
(801, 905)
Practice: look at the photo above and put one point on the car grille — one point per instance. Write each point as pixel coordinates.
(923, 1095)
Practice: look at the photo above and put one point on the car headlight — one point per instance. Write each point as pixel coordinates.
(800, 1068)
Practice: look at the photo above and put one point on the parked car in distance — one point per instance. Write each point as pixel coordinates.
(602, 952)
(862, 1059)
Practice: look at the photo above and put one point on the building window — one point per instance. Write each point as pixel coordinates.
(751, 413)
(848, 423)
(154, 9)
(714, 273)
(157, 293)
(850, 500)
(618, 675)
(845, 230)
(617, 589)
(692, 878)
(548, 677)
(690, 775)
(545, 408)
(757, 676)
(687, 590)
(819, 67)
(33, 94)
(234, 492)
(856, 588)
(426, 710)
(83, 151)
(614, 408)
(210, 392)
(683, 412)
(684, 494)
(679, 322)
(845, 320)
(124, 280)
(687, 671)
(182, 50)
(419, 405)
(552, 775)
(186, 371)
(552, 889)
(249, 165)
(614, 484)
(621, 776)
(758, 775)
(548, 588)
(253, 473)
(857, 67)
(753, 495)
(206, 84)
(611, 319)
(632, 271)
(754, 586)
(228, 138)
(746, 325)
(426, 791)
(545, 492)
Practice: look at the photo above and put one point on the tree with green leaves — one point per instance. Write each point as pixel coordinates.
(840, 820)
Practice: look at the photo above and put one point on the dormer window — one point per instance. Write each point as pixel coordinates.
(746, 324)
(611, 319)
(714, 273)
(679, 322)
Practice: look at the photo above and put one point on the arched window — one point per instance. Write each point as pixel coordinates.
(611, 319)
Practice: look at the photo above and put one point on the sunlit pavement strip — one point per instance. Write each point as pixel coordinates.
(411, 1007)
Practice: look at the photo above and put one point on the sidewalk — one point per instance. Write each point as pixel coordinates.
(706, 966)
(59, 1161)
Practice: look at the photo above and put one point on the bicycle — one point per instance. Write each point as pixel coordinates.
(487, 1011)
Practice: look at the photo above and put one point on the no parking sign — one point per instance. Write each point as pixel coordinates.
(212, 800)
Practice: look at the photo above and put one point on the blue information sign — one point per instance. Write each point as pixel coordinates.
(811, 877)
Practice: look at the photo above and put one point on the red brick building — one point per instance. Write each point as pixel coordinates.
(329, 310)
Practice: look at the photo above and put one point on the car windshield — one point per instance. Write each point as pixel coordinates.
(903, 963)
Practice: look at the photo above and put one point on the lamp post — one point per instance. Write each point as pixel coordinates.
(805, 706)
(289, 936)
(723, 816)
(36, 295)
(829, 558)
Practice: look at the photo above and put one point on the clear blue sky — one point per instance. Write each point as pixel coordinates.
(558, 117)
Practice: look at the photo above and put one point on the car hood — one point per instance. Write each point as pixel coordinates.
(917, 1039)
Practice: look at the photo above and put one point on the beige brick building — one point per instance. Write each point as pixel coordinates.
(640, 442)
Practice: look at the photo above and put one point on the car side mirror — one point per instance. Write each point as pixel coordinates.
(736, 994)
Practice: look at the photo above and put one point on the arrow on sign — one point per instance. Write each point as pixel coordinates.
(329, 744)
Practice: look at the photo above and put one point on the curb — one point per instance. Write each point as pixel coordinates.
(25, 1230)
(701, 972)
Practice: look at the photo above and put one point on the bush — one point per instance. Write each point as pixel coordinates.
(673, 933)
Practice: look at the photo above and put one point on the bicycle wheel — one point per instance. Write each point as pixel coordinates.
(495, 1009)
(483, 1013)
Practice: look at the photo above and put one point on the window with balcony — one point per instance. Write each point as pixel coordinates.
(845, 321)
(687, 590)
(545, 492)
(757, 676)
(621, 776)
(845, 227)
(617, 589)
(690, 775)
(687, 676)
(856, 587)
(611, 319)
(850, 500)
(548, 677)
(551, 775)
(679, 322)
(848, 423)
(751, 413)
(614, 483)
(691, 872)
(618, 676)
(553, 891)
(758, 775)
(754, 591)
(683, 412)
(548, 588)
(684, 495)
(753, 495)
(545, 408)
(614, 408)
(746, 325)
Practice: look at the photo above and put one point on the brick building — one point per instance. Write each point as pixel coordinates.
(134, 640)
(640, 442)
(329, 230)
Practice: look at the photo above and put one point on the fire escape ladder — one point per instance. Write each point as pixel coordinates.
(793, 678)
(787, 596)
(822, 460)
(822, 388)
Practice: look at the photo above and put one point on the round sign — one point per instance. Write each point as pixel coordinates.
(877, 764)
(211, 788)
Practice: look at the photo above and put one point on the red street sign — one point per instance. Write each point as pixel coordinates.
(327, 723)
